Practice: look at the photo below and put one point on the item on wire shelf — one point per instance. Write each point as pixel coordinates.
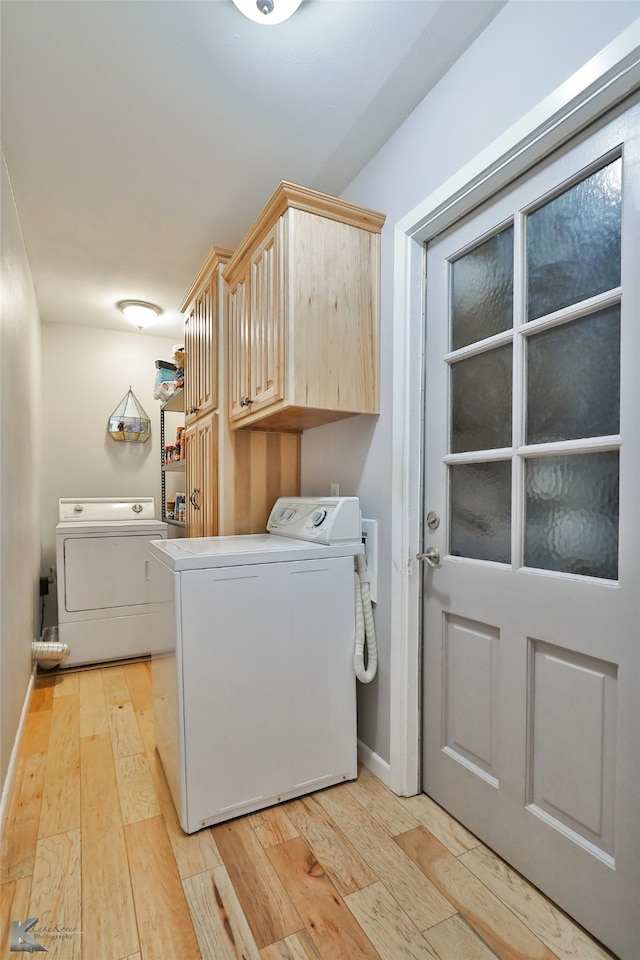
(164, 386)
(179, 447)
(178, 357)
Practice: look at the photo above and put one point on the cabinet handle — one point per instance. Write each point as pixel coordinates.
(194, 409)
(192, 498)
(246, 401)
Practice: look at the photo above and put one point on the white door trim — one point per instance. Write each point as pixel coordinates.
(598, 86)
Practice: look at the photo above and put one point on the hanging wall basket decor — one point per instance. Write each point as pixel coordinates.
(129, 421)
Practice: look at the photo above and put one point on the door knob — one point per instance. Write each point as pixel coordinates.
(431, 555)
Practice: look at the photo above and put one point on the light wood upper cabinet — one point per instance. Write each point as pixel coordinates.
(304, 313)
(232, 478)
(201, 307)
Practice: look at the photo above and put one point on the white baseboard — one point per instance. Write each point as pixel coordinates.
(374, 763)
(13, 760)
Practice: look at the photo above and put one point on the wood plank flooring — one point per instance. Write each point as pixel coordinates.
(93, 849)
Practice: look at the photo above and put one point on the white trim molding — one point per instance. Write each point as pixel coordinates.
(374, 763)
(13, 759)
(600, 85)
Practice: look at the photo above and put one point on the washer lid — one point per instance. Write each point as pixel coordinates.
(198, 553)
(106, 509)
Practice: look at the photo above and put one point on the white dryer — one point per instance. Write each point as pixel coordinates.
(254, 692)
(102, 569)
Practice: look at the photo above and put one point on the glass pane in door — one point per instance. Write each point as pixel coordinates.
(482, 291)
(573, 243)
(481, 393)
(480, 510)
(573, 379)
(571, 523)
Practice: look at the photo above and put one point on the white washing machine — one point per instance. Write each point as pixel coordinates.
(254, 692)
(102, 569)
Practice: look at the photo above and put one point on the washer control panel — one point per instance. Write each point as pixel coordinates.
(106, 509)
(319, 519)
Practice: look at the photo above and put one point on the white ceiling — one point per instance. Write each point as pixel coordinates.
(138, 133)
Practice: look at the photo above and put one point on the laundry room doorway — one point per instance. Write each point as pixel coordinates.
(531, 567)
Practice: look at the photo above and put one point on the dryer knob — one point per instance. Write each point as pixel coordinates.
(317, 517)
(78, 508)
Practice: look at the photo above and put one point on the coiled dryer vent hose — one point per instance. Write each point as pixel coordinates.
(365, 627)
(49, 651)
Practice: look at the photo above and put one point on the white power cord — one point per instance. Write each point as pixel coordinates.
(365, 627)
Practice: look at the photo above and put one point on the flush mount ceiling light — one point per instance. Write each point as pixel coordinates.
(267, 11)
(138, 312)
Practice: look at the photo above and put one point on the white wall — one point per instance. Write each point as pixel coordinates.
(19, 471)
(86, 373)
(525, 53)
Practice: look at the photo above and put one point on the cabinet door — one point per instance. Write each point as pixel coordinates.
(267, 320)
(238, 350)
(190, 363)
(201, 453)
(193, 515)
(200, 349)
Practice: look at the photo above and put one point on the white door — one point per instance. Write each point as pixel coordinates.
(532, 617)
(105, 573)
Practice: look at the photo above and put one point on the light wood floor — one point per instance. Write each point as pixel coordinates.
(92, 848)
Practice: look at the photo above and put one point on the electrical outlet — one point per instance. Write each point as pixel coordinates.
(335, 489)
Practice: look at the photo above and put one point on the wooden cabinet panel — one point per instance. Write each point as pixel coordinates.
(232, 478)
(266, 333)
(192, 474)
(200, 355)
(201, 455)
(258, 468)
(205, 351)
(190, 378)
(309, 353)
(202, 307)
(238, 345)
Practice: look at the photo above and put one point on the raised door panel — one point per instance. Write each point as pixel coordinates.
(267, 321)
(201, 352)
(207, 499)
(201, 307)
(201, 450)
(190, 365)
(193, 517)
(207, 349)
(238, 350)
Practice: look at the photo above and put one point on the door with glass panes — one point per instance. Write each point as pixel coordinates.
(531, 732)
